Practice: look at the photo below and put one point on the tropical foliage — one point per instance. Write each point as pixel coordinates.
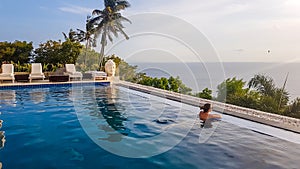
(261, 93)
(171, 83)
(230, 88)
(15, 52)
(56, 52)
(266, 87)
(205, 94)
(25, 67)
(293, 110)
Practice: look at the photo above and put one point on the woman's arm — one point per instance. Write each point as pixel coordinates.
(215, 116)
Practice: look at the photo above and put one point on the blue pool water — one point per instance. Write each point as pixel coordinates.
(102, 127)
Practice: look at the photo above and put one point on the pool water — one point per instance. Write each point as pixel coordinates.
(103, 127)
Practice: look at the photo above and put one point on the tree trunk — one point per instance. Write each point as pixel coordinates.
(101, 57)
(103, 44)
(86, 48)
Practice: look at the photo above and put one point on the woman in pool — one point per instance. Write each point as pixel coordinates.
(204, 113)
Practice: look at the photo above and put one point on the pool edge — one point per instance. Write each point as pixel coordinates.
(274, 120)
(49, 84)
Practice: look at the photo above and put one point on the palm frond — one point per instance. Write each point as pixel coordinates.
(103, 38)
(65, 36)
(121, 30)
(94, 42)
(109, 37)
(109, 3)
(116, 5)
(79, 31)
(119, 24)
(111, 28)
(121, 6)
(98, 31)
(122, 18)
(95, 20)
(97, 12)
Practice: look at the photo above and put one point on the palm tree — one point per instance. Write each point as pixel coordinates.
(107, 21)
(86, 36)
(263, 84)
(266, 87)
(71, 35)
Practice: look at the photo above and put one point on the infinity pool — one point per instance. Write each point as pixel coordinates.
(108, 127)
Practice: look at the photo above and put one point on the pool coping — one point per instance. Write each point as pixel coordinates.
(274, 120)
(46, 83)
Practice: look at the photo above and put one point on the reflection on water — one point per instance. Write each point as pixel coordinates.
(208, 123)
(121, 114)
(38, 95)
(2, 136)
(8, 97)
(100, 104)
(2, 139)
(111, 92)
(128, 114)
(112, 113)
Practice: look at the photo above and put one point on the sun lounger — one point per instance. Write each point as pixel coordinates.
(7, 72)
(71, 71)
(97, 75)
(36, 72)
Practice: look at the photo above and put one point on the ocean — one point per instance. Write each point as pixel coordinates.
(201, 75)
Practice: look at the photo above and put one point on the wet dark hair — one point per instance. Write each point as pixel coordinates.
(206, 107)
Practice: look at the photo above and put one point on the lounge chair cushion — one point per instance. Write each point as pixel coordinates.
(7, 72)
(71, 71)
(36, 71)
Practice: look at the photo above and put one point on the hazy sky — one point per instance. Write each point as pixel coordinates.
(238, 30)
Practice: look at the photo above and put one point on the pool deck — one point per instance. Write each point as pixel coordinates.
(274, 120)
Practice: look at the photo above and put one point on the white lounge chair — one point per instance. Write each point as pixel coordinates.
(71, 71)
(7, 72)
(97, 75)
(36, 72)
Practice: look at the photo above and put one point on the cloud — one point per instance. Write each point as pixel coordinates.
(222, 10)
(76, 9)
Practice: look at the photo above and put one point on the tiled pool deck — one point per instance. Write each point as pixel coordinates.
(274, 120)
(283, 122)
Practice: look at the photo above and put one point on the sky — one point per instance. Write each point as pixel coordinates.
(177, 30)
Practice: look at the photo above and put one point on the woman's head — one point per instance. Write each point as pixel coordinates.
(206, 108)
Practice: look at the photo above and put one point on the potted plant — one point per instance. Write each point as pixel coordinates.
(21, 69)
